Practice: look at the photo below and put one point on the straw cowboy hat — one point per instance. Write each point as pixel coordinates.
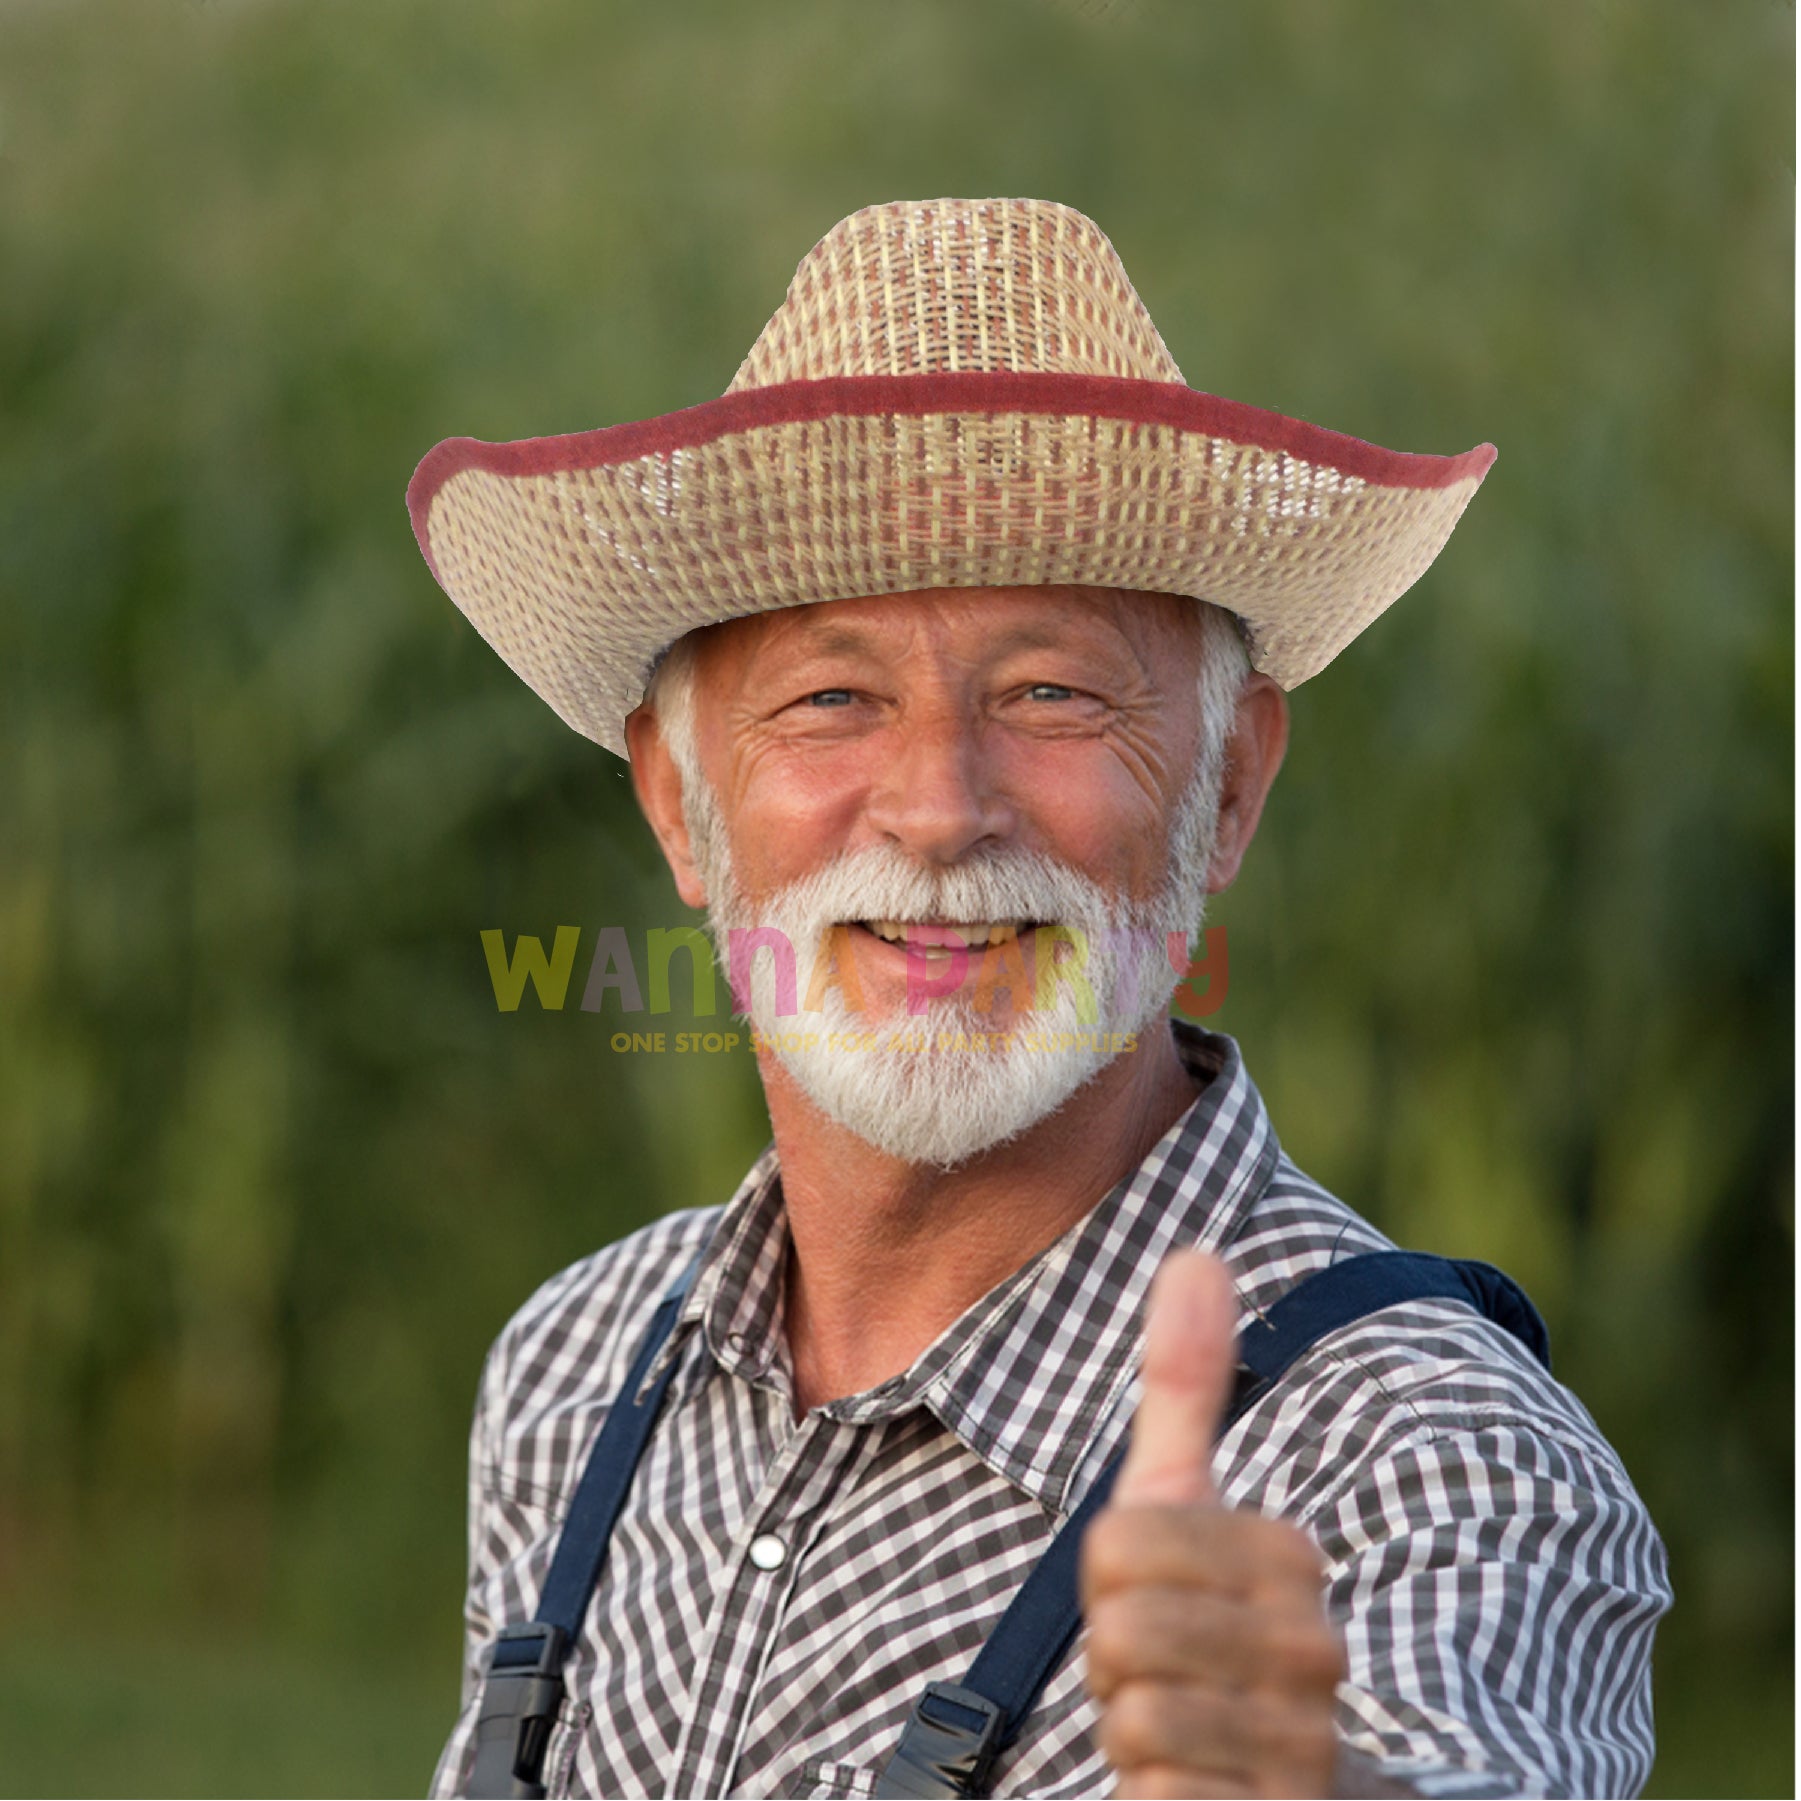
(955, 393)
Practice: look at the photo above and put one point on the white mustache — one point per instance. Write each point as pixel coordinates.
(998, 884)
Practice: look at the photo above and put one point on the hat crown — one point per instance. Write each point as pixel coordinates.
(930, 287)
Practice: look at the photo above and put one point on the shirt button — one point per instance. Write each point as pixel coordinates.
(768, 1552)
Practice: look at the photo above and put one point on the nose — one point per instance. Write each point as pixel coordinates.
(936, 796)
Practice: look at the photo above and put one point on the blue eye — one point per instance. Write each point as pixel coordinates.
(1050, 691)
(830, 697)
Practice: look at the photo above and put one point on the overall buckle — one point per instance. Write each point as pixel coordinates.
(519, 1706)
(948, 1748)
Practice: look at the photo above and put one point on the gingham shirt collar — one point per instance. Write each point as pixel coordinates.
(1028, 1376)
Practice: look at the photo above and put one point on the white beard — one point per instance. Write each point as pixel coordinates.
(903, 1082)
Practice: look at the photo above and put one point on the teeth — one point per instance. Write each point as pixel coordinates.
(994, 934)
(974, 936)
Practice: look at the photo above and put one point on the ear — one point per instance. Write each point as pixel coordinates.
(659, 787)
(1254, 752)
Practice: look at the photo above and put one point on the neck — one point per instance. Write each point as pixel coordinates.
(885, 1255)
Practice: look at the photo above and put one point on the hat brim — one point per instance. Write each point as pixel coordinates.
(581, 558)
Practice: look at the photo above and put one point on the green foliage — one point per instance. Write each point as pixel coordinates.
(1512, 958)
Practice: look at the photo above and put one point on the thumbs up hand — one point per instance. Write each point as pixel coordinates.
(1208, 1645)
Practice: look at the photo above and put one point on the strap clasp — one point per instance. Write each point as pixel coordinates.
(520, 1701)
(948, 1748)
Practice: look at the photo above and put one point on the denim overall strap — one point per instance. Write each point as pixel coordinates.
(524, 1688)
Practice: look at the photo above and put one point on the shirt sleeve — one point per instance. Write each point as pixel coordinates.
(1497, 1584)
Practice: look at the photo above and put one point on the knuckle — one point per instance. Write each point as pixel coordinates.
(1306, 1654)
(1258, 1724)
(1113, 1635)
(1163, 1782)
(1107, 1549)
(1303, 1555)
(1271, 1726)
(1290, 1746)
(1288, 1552)
(1332, 1667)
(1134, 1727)
(1310, 1569)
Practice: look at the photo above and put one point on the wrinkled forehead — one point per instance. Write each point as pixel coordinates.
(1162, 631)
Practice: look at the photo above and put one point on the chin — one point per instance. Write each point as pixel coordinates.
(942, 1087)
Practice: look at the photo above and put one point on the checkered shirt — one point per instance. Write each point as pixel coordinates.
(778, 1594)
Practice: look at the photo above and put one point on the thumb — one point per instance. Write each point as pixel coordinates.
(1191, 1330)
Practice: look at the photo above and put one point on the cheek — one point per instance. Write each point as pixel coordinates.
(791, 809)
(1090, 807)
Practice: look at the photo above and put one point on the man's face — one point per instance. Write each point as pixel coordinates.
(962, 793)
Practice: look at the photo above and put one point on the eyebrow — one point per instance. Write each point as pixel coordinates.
(831, 640)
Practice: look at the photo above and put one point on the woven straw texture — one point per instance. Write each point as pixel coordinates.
(944, 286)
(581, 559)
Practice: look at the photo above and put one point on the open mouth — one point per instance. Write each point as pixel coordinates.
(937, 941)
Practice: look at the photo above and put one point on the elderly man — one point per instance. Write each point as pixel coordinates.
(949, 650)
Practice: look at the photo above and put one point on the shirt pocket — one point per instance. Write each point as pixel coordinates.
(821, 1781)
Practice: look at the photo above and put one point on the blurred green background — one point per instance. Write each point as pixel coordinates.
(1512, 959)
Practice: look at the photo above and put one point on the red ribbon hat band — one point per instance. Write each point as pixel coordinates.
(955, 393)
